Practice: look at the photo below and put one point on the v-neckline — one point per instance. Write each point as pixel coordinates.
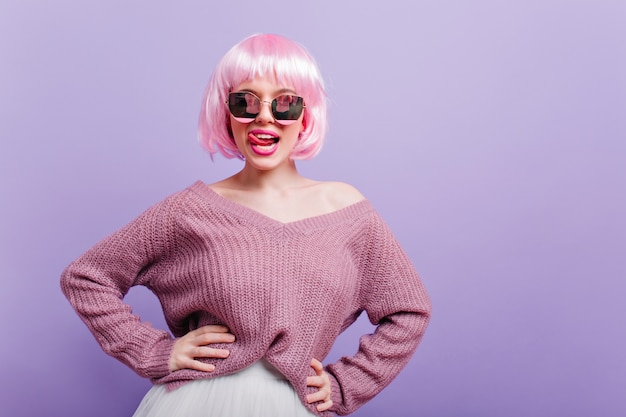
(313, 222)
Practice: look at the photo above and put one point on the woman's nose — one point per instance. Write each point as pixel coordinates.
(265, 112)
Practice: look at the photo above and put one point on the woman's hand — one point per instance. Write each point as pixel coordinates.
(195, 345)
(322, 382)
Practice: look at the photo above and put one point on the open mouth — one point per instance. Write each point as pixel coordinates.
(263, 143)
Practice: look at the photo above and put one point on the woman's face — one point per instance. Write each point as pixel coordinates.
(264, 142)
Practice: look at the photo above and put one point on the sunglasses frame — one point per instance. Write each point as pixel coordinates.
(273, 104)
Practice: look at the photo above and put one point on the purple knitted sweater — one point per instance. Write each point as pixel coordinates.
(286, 290)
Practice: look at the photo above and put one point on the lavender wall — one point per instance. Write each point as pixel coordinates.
(502, 172)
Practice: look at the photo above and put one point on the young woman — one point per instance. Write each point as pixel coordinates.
(260, 272)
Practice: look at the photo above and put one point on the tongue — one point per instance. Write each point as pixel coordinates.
(260, 142)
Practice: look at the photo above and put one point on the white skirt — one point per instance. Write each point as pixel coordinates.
(257, 391)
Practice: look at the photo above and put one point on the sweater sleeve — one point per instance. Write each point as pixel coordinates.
(396, 301)
(96, 283)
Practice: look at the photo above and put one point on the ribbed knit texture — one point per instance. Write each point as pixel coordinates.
(286, 290)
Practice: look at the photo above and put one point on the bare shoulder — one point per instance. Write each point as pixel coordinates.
(341, 194)
(222, 185)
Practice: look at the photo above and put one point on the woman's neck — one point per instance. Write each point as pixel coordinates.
(280, 178)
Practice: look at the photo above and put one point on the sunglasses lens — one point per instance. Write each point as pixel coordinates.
(245, 107)
(287, 107)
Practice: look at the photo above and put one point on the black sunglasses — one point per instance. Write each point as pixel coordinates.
(246, 106)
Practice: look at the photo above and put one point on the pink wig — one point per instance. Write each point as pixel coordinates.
(290, 65)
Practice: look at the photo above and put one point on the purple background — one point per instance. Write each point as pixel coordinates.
(502, 173)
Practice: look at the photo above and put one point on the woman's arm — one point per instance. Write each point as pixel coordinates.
(396, 301)
(96, 283)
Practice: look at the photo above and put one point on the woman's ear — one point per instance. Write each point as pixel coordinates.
(229, 128)
(303, 126)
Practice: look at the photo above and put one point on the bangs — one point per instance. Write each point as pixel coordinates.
(285, 63)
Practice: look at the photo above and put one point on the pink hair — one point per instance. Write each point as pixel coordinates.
(290, 65)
